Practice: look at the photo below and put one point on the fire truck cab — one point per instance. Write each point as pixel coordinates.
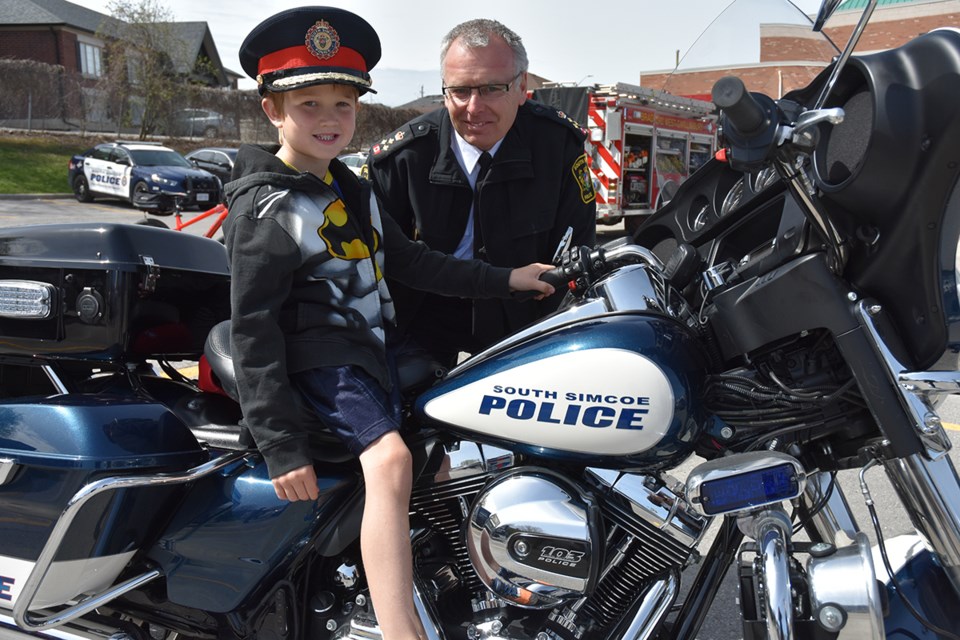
(642, 143)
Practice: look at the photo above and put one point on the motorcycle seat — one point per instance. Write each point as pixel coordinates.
(415, 371)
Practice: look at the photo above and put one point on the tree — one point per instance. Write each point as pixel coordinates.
(141, 81)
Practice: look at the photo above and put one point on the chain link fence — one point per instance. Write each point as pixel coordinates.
(37, 97)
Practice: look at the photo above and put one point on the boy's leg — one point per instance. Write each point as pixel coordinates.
(355, 407)
(385, 536)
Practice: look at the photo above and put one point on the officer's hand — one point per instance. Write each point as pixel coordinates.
(299, 484)
(528, 279)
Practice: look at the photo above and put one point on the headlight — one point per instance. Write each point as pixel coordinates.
(167, 182)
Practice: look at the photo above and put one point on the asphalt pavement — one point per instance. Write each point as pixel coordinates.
(61, 208)
(722, 622)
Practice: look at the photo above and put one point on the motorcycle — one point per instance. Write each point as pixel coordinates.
(791, 313)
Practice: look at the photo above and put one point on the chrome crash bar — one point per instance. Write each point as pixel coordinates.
(21, 610)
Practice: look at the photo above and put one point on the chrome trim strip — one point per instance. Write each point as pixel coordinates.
(924, 416)
(930, 382)
(927, 483)
(55, 379)
(833, 520)
(426, 614)
(654, 605)
(9, 631)
(21, 610)
(931, 495)
(8, 467)
(664, 508)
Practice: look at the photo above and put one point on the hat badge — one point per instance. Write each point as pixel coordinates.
(322, 40)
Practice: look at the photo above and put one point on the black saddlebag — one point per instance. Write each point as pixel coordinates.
(111, 292)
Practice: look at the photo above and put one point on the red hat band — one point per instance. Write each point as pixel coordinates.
(301, 56)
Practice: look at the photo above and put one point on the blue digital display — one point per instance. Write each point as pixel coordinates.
(751, 489)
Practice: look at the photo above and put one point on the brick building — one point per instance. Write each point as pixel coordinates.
(61, 33)
(791, 55)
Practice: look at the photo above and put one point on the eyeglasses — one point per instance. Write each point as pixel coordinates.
(462, 95)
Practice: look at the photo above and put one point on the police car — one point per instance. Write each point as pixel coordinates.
(148, 175)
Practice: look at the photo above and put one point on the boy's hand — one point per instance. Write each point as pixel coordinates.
(299, 484)
(528, 279)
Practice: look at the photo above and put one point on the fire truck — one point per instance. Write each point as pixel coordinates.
(641, 144)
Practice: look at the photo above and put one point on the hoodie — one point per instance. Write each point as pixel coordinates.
(308, 290)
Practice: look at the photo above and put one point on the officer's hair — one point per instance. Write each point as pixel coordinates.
(476, 33)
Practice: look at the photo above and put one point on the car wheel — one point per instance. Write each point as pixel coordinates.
(153, 222)
(81, 189)
(141, 187)
(210, 132)
(138, 188)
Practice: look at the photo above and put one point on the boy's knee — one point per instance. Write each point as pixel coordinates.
(388, 452)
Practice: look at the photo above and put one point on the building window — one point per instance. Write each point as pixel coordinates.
(90, 60)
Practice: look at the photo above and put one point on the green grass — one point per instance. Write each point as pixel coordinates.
(36, 164)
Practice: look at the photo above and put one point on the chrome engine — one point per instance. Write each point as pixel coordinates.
(540, 554)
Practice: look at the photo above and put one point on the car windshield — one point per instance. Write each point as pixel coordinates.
(159, 158)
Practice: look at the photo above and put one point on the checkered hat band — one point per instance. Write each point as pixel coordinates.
(300, 56)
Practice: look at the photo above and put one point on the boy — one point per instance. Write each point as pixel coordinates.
(310, 307)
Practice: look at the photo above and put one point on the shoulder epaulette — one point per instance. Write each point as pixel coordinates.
(556, 115)
(398, 139)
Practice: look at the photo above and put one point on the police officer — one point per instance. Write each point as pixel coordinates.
(434, 178)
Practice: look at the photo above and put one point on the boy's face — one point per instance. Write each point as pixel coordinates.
(316, 123)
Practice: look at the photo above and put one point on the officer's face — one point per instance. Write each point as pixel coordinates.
(485, 116)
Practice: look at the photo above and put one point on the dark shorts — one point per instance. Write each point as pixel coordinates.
(351, 403)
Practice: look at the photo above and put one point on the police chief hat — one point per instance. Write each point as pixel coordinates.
(307, 46)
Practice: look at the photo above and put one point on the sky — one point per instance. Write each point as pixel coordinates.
(580, 43)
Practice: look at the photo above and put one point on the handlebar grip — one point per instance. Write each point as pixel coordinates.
(556, 278)
(743, 111)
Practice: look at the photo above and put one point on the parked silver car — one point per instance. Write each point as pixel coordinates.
(202, 123)
(354, 161)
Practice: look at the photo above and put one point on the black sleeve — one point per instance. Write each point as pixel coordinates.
(263, 259)
(578, 201)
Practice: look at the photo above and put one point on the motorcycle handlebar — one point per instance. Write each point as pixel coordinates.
(742, 110)
(584, 262)
(556, 278)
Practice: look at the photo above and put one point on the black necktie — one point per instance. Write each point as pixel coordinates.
(484, 163)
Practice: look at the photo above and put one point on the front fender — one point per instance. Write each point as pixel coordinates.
(923, 582)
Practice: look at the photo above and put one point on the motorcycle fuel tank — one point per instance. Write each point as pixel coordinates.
(619, 389)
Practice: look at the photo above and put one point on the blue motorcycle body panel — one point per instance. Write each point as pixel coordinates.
(232, 532)
(62, 443)
(924, 583)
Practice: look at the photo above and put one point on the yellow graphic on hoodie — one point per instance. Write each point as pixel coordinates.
(346, 249)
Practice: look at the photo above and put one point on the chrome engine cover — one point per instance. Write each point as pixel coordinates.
(534, 539)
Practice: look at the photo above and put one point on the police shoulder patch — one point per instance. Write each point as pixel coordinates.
(581, 173)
